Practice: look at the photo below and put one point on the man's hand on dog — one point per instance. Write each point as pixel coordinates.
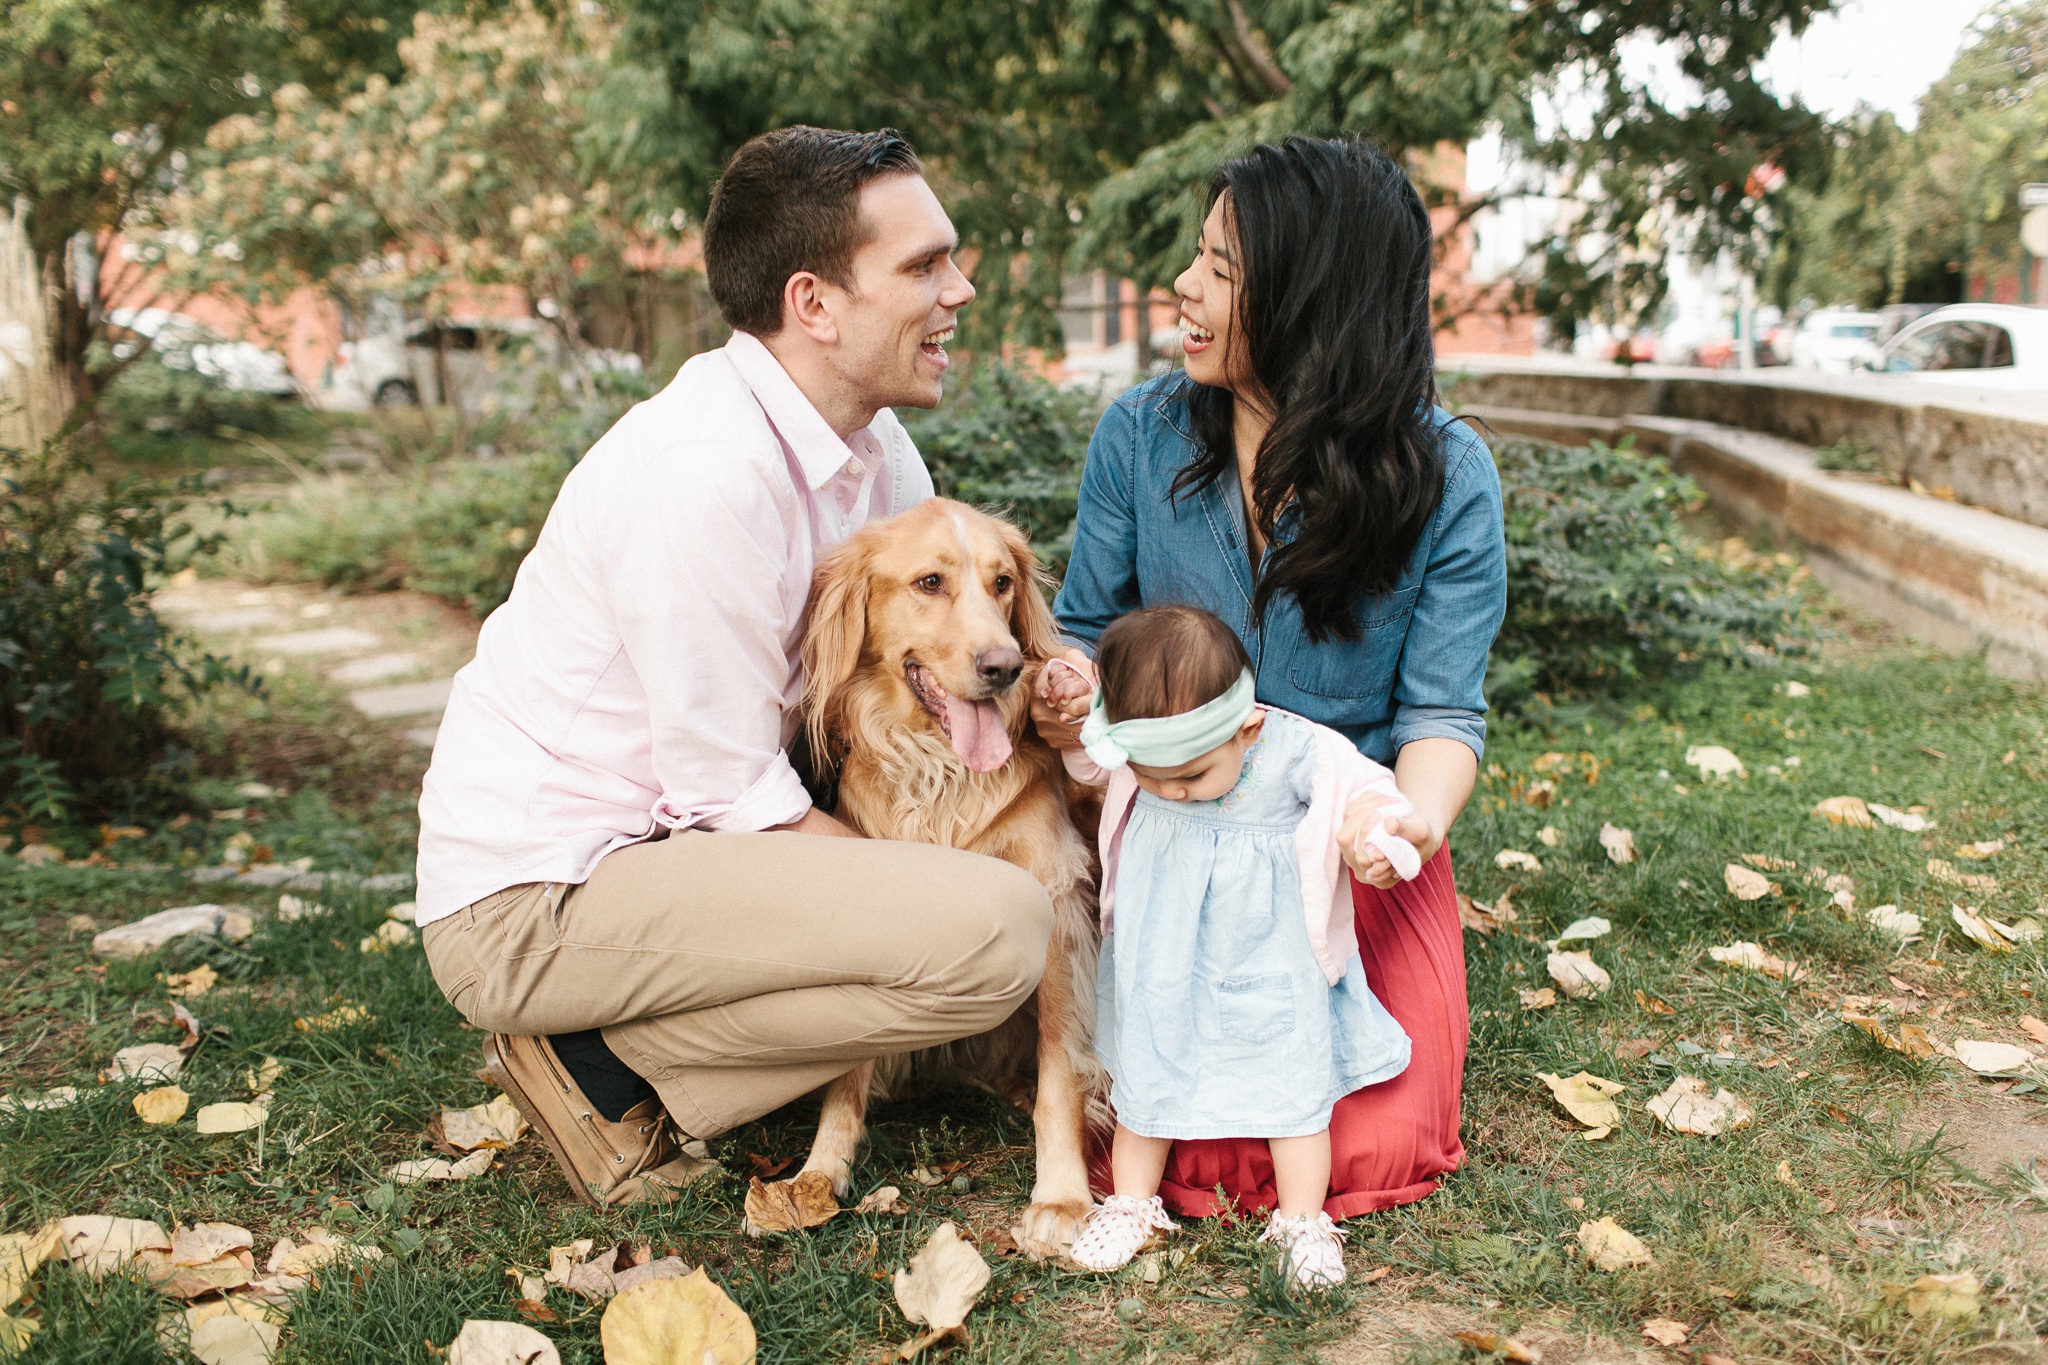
(1060, 701)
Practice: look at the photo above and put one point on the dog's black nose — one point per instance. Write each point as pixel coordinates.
(998, 667)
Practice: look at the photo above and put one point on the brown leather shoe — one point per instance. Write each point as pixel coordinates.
(607, 1163)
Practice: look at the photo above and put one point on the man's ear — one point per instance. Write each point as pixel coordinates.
(807, 301)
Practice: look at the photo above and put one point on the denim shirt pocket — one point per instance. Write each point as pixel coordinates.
(1360, 669)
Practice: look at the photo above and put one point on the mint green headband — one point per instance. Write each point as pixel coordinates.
(1168, 741)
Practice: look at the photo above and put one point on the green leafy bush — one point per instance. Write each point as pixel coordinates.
(154, 400)
(455, 528)
(1007, 438)
(1608, 585)
(90, 679)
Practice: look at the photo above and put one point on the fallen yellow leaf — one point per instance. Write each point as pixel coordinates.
(2035, 1028)
(1548, 836)
(233, 1340)
(1578, 974)
(1845, 810)
(1992, 1059)
(1619, 843)
(802, 1202)
(1507, 1348)
(1714, 761)
(1586, 1097)
(1745, 884)
(165, 1104)
(1652, 1005)
(20, 1255)
(193, 984)
(16, 1333)
(887, 1199)
(1753, 957)
(440, 1168)
(231, 1118)
(1514, 859)
(501, 1343)
(1540, 999)
(496, 1124)
(1911, 821)
(687, 1321)
(1611, 1247)
(95, 1243)
(341, 1016)
(146, 1062)
(262, 1078)
(1979, 930)
(1666, 1332)
(1983, 848)
(939, 1287)
(1948, 1296)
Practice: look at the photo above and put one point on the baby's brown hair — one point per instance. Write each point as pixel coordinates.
(1162, 661)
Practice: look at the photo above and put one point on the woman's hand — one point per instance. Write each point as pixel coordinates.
(1059, 701)
(1367, 863)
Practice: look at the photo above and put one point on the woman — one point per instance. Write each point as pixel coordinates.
(1297, 479)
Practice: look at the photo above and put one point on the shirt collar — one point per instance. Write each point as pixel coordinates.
(818, 449)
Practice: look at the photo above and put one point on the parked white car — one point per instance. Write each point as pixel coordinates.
(487, 362)
(1835, 340)
(185, 343)
(1983, 345)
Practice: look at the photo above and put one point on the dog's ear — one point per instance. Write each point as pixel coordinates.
(836, 630)
(1030, 618)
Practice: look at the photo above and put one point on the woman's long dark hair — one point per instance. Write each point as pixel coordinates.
(1333, 253)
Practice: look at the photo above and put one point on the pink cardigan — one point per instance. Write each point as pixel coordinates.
(1342, 775)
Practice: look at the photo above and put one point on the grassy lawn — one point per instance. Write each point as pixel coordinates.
(1788, 1240)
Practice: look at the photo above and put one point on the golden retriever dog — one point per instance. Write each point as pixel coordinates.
(926, 633)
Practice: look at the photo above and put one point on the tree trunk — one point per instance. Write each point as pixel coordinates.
(36, 392)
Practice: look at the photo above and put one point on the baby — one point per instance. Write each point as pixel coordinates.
(1231, 1001)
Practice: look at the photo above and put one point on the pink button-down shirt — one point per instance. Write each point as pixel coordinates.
(644, 671)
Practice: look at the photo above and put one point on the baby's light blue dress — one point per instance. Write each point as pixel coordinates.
(1213, 1016)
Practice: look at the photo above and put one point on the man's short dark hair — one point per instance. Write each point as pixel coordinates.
(789, 201)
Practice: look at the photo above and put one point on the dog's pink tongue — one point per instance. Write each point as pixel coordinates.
(978, 734)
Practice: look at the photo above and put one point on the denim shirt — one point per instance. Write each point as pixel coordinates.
(1418, 665)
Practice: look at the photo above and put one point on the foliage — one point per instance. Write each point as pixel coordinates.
(89, 677)
(151, 398)
(474, 168)
(1906, 217)
(1009, 439)
(1850, 456)
(1607, 586)
(455, 529)
(1072, 123)
(105, 98)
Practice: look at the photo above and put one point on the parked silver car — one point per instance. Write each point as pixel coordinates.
(476, 363)
(182, 342)
(1983, 345)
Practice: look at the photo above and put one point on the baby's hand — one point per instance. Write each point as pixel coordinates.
(1370, 865)
(1066, 689)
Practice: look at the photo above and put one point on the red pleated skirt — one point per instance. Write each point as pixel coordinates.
(1393, 1142)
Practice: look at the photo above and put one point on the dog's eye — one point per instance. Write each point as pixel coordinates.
(931, 582)
(1002, 583)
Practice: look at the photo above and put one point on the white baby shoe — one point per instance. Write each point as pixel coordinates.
(1118, 1229)
(1311, 1248)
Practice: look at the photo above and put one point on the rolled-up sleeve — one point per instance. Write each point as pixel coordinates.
(697, 587)
(1102, 574)
(1440, 688)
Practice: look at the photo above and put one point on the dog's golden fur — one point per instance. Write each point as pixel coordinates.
(927, 600)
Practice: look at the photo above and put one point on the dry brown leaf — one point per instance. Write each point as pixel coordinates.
(1983, 848)
(176, 1280)
(687, 1321)
(496, 1125)
(37, 1101)
(802, 1202)
(1945, 872)
(1611, 1247)
(603, 1276)
(1586, 1097)
(1508, 1348)
(1514, 859)
(440, 1168)
(1484, 918)
(188, 1024)
(1892, 920)
(2035, 1028)
(1769, 862)
(158, 1063)
(1714, 761)
(887, 1199)
(261, 1079)
(1652, 1005)
(1992, 1059)
(1845, 810)
(1914, 1041)
(482, 1342)
(193, 984)
(316, 1247)
(1578, 974)
(1548, 836)
(1540, 999)
(165, 1104)
(203, 1243)
(1979, 930)
(231, 1117)
(940, 1285)
(1619, 843)
(1911, 821)
(1685, 1106)
(1753, 957)
(1745, 884)
(20, 1255)
(1666, 1332)
(96, 1244)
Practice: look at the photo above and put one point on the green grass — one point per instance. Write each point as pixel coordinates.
(1760, 1269)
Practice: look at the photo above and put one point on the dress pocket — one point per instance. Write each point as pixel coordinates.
(1256, 1009)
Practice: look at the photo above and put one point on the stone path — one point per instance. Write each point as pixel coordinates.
(392, 655)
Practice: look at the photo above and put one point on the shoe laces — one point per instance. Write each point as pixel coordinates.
(1303, 1227)
(1118, 1226)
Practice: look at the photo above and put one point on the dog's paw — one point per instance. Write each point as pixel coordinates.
(1048, 1229)
(838, 1172)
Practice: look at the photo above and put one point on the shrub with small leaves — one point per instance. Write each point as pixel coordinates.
(90, 678)
(1607, 584)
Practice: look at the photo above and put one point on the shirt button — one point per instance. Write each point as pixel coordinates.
(854, 466)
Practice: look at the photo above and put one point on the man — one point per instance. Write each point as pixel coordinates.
(621, 877)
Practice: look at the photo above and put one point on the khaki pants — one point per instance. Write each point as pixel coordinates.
(737, 972)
